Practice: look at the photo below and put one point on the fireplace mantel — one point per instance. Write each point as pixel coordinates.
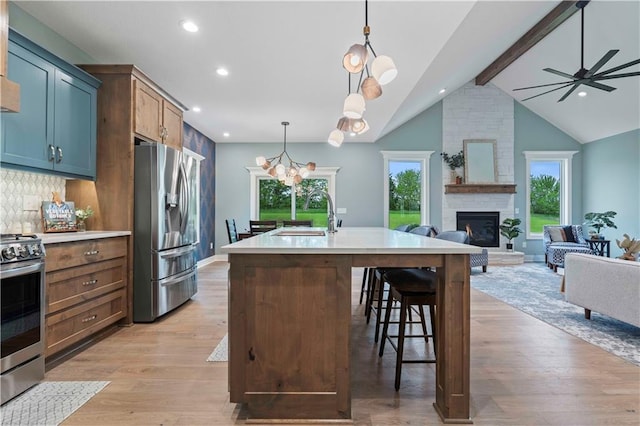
(480, 188)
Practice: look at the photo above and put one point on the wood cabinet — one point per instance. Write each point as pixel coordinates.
(55, 129)
(156, 118)
(9, 90)
(119, 125)
(86, 285)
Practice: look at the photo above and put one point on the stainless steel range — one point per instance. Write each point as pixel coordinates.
(22, 312)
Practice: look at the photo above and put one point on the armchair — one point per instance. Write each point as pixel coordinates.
(559, 240)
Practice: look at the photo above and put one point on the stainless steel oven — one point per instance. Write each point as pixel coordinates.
(22, 314)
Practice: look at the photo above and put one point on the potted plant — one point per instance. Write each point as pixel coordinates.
(598, 221)
(509, 229)
(81, 216)
(454, 161)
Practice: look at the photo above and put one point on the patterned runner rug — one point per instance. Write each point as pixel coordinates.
(48, 403)
(535, 289)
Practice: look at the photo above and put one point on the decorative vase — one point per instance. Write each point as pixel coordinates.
(509, 246)
(458, 180)
(453, 175)
(82, 227)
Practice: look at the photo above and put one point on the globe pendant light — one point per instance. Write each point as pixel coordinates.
(370, 88)
(290, 175)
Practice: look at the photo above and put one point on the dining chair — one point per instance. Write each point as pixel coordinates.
(297, 223)
(232, 231)
(260, 226)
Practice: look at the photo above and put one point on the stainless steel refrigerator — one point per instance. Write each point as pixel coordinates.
(165, 230)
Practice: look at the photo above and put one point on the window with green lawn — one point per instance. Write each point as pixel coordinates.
(548, 190)
(273, 200)
(405, 187)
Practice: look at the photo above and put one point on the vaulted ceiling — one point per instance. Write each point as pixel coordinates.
(284, 58)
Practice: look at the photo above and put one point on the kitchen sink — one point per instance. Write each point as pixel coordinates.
(300, 233)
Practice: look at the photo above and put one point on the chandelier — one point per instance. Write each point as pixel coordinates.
(289, 175)
(383, 71)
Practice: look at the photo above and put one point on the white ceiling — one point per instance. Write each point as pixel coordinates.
(285, 58)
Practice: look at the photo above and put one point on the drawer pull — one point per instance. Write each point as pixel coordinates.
(91, 318)
(91, 252)
(90, 282)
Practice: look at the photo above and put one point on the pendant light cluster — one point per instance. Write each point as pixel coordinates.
(383, 71)
(289, 175)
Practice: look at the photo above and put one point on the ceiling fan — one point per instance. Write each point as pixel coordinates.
(584, 76)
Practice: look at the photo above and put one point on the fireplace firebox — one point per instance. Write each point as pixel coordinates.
(482, 227)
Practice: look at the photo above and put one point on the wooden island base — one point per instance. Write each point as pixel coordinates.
(289, 333)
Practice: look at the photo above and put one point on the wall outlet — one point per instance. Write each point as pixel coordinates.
(524, 244)
(30, 203)
(341, 210)
(211, 246)
(517, 210)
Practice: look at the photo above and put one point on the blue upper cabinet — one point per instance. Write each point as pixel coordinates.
(55, 129)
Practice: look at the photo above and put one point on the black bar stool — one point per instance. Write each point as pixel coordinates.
(411, 287)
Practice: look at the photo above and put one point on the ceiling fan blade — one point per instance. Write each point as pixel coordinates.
(599, 86)
(543, 85)
(570, 91)
(619, 67)
(610, 54)
(560, 73)
(548, 91)
(610, 77)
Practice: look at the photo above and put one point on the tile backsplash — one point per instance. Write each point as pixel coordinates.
(20, 190)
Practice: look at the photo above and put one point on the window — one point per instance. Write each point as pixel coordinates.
(271, 200)
(548, 189)
(406, 197)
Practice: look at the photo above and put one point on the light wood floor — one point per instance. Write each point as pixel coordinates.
(523, 372)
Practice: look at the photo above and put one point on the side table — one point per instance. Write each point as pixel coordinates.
(600, 247)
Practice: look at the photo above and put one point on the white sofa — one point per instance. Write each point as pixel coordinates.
(604, 285)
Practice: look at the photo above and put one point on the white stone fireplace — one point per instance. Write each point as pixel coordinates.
(479, 112)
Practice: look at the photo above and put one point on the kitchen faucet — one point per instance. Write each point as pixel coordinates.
(331, 220)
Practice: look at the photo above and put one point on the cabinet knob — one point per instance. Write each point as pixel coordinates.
(90, 282)
(52, 153)
(91, 252)
(59, 159)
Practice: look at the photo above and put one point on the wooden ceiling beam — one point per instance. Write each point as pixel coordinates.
(551, 21)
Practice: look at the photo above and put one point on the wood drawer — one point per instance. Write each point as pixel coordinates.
(72, 325)
(67, 255)
(71, 286)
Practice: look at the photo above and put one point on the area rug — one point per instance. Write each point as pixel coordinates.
(48, 403)
(535, 289)
(221, 352)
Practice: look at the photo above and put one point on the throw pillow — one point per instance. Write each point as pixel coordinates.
(556, 234)
(568, 234)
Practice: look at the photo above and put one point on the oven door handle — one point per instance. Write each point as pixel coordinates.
(22, 270)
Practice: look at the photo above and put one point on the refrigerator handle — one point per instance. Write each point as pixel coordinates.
(184, 200)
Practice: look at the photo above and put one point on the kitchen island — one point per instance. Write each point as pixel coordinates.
(290, 318)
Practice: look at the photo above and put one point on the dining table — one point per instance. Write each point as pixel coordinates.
(290, 319)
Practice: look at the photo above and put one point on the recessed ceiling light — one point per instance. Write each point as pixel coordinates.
(222, 71)
(196, 109)
(225, 134)
(442, 91)
(582, 94)
(189, 26)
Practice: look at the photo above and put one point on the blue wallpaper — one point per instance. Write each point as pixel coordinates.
(197, 142)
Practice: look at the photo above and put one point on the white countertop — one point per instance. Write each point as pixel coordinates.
(66, 237)
(348, 241)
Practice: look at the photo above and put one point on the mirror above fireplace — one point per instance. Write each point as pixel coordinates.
(480, 161)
